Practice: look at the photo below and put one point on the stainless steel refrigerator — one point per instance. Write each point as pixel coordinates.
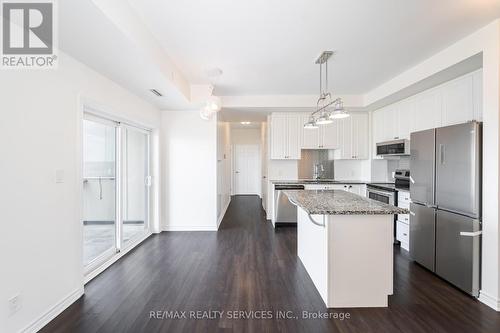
(445, 209)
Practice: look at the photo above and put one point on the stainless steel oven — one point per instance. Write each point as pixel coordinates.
(388, 197)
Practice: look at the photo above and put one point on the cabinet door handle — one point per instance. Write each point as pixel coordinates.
(405, 234)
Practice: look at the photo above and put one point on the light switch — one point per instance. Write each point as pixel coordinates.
(59, 176)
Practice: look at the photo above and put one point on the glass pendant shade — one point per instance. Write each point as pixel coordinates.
(339, 114)
(324, 119)
(311, 124)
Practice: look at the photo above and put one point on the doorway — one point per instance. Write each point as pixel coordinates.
(246, 169)
(116, 188)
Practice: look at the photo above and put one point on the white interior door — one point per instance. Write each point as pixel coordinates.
(246, 169)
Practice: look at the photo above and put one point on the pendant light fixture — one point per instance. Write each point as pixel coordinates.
(327, 109)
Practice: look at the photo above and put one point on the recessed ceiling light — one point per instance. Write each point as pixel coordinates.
(245, 123)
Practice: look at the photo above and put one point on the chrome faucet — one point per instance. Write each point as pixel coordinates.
(318, 171)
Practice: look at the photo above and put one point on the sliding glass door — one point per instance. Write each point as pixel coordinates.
(135, 183)
(116, 183)
(99, 189)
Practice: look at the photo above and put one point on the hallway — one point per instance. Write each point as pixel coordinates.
(249, 266)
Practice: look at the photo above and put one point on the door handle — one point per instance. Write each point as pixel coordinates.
(441, 154)
(236, 172)
(412, 213)
(412, 180)
(470, 234)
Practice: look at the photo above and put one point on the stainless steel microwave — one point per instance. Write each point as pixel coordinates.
(393, 148)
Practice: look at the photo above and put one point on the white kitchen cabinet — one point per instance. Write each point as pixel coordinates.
(457, 105)
(310, 136)
(359, 135)
(428, 110)
(325, 187)
(295, 127)
(324, 137)
(477, 95)
(391, 121)
(359, 189)
(406, 118)
(345, 137)
(403, 235)
(329, 136)
(286, 133)
(279, 136)
(386, 123)
(453, 102)
(353, 136)
(404, 199)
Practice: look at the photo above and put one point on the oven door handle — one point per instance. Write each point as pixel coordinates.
(389, 194)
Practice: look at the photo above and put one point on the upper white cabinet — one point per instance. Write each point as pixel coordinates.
(329, 136)
(348, 136)
(378, 126)
(286, 133)
(359, 135)
(453, 102)
(477, 95)
(324, 137)
(457, 101)
(406, 119)
(428, 110)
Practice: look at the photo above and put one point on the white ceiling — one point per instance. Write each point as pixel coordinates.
(269, 46)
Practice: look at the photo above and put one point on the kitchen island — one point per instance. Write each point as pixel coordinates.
(345, 242)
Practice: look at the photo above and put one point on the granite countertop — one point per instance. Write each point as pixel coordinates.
(339, 202)
(323, 181)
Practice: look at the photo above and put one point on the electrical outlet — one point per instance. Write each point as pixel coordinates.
(14, 304)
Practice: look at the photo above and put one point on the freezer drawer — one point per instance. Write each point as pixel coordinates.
(422, 235)
(422, 166)
(458, 168)
(458, 250)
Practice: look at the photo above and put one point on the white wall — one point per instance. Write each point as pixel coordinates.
(41, 238)
(245, 136)
(224, 169)
(352, 170)
(189, 171)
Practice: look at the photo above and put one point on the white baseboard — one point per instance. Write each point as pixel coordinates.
(489, 300)
(54, 311)
(223, 212)
(189, 228)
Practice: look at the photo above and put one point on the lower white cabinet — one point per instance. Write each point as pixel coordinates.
(403, 235)
(403, 221)
(359, 189)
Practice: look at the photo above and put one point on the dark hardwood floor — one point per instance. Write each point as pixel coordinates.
(249, 266)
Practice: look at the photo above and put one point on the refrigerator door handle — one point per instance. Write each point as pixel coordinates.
(470, 234)
(441, 154)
